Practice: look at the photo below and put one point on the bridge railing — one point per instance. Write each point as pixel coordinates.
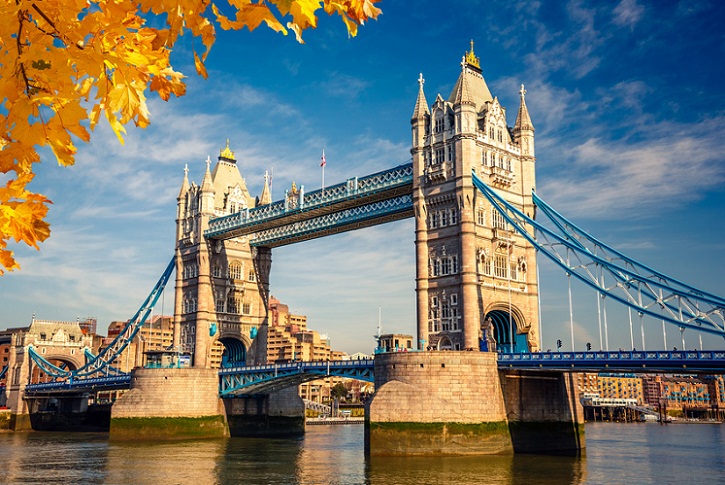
(78, 384)
(655, 360)
(354, 187)
(312, 365)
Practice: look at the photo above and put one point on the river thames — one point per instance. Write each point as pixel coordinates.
(616, 453)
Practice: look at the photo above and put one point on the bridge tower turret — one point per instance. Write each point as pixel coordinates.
(421, 132)
(221, 286)
(476, 280)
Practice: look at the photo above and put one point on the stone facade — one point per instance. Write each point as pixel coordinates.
(61, 343)
(222, 287)
(475, 276)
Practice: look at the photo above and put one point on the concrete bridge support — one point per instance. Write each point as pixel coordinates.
(280, 414)
(544, 413)
(458, 403)
(436, 403)
(165, 404)
(170, 404)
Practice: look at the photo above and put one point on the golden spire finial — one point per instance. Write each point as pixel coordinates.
(227, 152)
(471, 58)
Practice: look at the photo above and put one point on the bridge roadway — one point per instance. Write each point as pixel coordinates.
(247, 380)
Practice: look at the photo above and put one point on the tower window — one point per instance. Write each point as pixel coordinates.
(500, 266)
(439, 155)
(433, 220)
(235, 271)
(454, 216)
(439, 123)
(499, 222)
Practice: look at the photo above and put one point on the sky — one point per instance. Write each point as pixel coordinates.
(626, 97)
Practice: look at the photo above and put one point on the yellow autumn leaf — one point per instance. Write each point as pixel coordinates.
(63, 64)
(200, 68)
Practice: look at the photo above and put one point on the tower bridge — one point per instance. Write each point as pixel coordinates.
(479, 226)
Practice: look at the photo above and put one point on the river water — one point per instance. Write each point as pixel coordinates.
(616, 454)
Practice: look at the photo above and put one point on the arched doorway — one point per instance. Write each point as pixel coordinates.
(234, 353)
(505, 331)
(445, 343)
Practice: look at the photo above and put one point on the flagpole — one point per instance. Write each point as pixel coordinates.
(322, 164)
(271, 178)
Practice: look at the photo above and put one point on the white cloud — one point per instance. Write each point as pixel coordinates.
(628, 13)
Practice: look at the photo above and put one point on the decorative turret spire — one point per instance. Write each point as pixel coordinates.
(185, 183)
(523, 120)
(227, 154)
(421, 105)
(266, 197)
(206, 184)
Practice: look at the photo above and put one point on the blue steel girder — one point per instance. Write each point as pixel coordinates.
(611, 273)
(248, 380)
(354, 192)
(101, 364)
(3, 371)
(375, 213)
(72, 386)
(622, 361)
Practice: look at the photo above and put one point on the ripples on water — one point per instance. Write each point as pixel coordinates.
(616, 453)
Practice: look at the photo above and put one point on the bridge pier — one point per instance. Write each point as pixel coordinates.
(172, 403)
(279, 414)
(544, 412)
(458, 403)
(436, 403)
(70, 412)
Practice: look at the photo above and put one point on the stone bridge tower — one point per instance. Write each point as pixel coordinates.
(476, 279)
(222, 287)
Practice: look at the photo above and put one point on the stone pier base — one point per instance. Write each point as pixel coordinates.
(436, 403)
(544, 413)
(170, 404)
(458, 403)
(280, 414)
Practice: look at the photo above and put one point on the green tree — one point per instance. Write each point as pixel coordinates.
(339, 391)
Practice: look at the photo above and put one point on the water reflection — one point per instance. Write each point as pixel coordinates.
(506, 469)
(616, 453)
(52, 457)
(193, 462)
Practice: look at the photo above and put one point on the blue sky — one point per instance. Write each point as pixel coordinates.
(628, 103)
